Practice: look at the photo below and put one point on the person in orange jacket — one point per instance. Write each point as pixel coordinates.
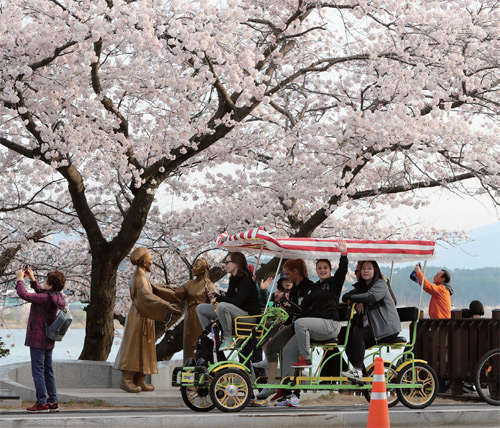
(440, 290)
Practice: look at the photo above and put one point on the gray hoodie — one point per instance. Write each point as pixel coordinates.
(382, 313)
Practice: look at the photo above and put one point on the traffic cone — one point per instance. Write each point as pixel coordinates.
(378, 415)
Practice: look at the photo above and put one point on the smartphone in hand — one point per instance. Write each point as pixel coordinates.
(25, 269)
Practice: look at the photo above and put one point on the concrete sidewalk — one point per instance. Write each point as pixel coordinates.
(453, 416)
(93, 380)
(165, 398)
(98, 381)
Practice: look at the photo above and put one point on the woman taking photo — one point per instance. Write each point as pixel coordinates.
(241, 299)
(45, 302)
(380, 320)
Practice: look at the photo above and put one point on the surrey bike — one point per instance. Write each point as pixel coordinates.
(229, 384)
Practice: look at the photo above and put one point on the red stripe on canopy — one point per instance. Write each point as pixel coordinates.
(256, 240)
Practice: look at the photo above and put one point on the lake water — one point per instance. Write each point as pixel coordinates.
(68, 349)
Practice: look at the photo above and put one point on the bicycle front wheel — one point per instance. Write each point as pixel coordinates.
(424, 394)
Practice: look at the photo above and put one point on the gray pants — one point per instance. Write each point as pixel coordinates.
(226, 312)
(300, 344)
(278, 342)
(206, 314)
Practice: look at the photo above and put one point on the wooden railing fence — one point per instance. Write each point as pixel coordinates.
(453, 346)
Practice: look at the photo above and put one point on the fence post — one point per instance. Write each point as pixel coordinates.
(494, 332)
(456, 352)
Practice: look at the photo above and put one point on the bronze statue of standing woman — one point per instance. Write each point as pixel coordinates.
(193, 292)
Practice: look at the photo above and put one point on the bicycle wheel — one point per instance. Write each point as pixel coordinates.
(423, 395)
(487, 377)
(392, 396)
(230, 390)
(197, 398)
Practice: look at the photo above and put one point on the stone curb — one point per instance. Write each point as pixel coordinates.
(304, 419)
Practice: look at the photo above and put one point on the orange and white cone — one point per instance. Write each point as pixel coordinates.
(378, 415)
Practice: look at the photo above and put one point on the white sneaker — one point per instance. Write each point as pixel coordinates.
(354, 374)
(293, 401)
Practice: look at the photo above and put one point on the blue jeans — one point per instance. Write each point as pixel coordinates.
(43, 375)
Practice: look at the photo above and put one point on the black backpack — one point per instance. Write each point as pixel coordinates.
(59, 327)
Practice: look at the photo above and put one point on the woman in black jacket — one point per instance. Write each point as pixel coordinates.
(320, 319)
(241, 299)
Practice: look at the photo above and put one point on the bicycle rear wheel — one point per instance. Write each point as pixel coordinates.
(197, 398)
(487, 377)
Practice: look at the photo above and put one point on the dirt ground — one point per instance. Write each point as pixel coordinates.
(334, 399)
(318, 399)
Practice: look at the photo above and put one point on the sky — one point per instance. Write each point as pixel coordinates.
(477, 216)
(452, 211)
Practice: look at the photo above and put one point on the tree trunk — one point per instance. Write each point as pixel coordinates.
(6, 258)
(99, 329)
(9, 254)
(269, 269)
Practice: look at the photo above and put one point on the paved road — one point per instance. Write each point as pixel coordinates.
(436, 416)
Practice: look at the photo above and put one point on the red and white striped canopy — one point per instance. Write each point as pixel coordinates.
(258, 239)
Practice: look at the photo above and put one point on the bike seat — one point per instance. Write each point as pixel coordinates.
(327, 342)
(397, 340)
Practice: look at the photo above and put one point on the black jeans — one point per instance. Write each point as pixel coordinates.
(360, 340)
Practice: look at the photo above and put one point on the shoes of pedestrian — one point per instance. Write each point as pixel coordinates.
(354, 374)
(302, 364)
(227, 343)
(468, 388)
(265, 393)
(293, 401)
(444, 386)
(38, 408)
(53, 407)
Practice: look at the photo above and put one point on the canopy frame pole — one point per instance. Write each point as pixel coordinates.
(258, 258)
(273, 283)
(422, 285)
(392, 271)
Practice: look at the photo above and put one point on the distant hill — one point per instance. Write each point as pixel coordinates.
(483, 250)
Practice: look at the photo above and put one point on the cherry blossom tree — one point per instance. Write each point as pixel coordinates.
(287, 114)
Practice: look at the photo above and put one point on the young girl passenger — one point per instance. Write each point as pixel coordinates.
(45, 302)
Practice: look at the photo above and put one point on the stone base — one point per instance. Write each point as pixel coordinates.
(88, 381)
